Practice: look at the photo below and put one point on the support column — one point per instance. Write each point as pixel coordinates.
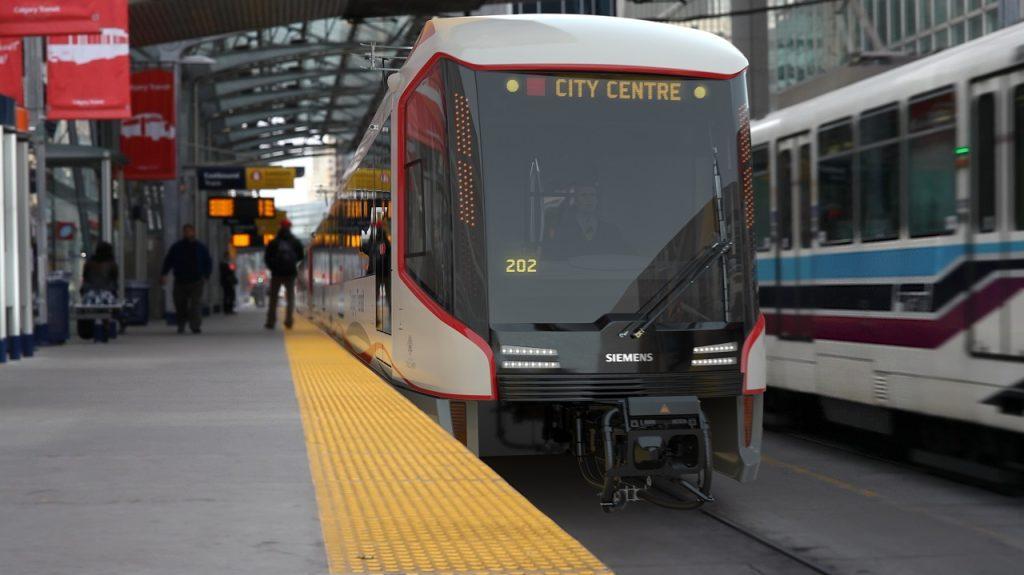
(34, 100)
(3, 249)
(12, 279)
(25, 252)
(750, 35)
(106, 200)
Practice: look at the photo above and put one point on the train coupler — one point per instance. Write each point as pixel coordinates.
(657, 449)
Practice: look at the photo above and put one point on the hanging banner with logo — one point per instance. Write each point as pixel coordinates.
(148, 137)
(43, 17)
(88, 74)
(11, 70)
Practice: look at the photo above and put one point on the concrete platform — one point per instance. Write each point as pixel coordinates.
(156, 453)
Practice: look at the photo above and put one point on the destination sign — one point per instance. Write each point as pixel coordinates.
(584, 88)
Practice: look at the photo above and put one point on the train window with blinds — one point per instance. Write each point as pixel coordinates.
(835, 183)
(784, 204)
(931, 177)
(984, 201)
(1018, 156)
(428, 224)
(878, 158)
(762, 199)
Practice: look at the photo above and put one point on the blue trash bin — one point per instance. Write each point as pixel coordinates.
(58, 309)
(136, 295)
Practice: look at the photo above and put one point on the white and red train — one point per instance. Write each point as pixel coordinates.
(552, 216)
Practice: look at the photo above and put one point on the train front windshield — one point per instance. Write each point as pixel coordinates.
(599, 189)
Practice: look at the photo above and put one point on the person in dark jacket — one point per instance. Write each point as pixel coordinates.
(228, 281)
(100, 271)
(190, 261)
(99, 284)
(282, 257)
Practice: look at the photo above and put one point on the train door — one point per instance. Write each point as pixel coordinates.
(995, 277)
(793, 237)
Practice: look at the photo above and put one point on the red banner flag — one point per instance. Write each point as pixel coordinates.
(43, 17)
(11, 70)
(148, 138)
(88, 74)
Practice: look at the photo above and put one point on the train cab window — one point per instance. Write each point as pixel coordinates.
(784, 203)
(835, 183)
(428, 205)
(984, 201)
(806, 230)
(878, 158)
(931, 177)
(1018, 156)
(762, 199)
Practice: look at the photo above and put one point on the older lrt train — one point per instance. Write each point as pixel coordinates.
(890, 238)
(550, 216)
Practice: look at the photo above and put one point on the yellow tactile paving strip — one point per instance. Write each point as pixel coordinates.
(397, 494)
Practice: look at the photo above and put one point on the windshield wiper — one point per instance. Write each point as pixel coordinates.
(686, 277)
(679, 284)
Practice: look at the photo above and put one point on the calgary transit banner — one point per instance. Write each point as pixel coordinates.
(11, 63)
(148, 138)
(88, 74)
(44, 17)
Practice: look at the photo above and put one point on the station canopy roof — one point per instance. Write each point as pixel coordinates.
(280, 79)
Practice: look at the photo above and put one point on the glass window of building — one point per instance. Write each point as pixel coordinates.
(931, 177)
(835, 183)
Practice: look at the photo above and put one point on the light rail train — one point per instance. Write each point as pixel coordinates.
(545, 236)
(890, 238)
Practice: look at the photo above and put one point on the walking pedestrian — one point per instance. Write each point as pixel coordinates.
(282, 257)
(190, 261)
(228, 281)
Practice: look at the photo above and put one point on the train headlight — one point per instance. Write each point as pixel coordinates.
(716, 348)
(516, 364)
(529, 351)
(713, 361)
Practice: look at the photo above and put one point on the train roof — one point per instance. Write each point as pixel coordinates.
(991, 53)
(574, 41)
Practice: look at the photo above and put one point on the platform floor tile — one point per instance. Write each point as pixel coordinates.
(397, 494)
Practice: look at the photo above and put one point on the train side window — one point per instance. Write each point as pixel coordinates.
(984, 207)
(805, 196)
(835, 183)
(878, 158)
(762, 199)
(784, 203)
(428, 205)
(1018, 156)
(931, 178)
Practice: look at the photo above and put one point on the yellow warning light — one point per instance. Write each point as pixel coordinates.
(241, 240)
(699, 92)
(512, 85)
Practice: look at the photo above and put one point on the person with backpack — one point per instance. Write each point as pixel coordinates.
(282, 258)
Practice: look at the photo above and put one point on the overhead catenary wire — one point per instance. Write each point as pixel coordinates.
(745, 12)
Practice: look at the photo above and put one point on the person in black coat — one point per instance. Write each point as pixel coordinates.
(282, 258)
(190, 261)
(228, 281)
